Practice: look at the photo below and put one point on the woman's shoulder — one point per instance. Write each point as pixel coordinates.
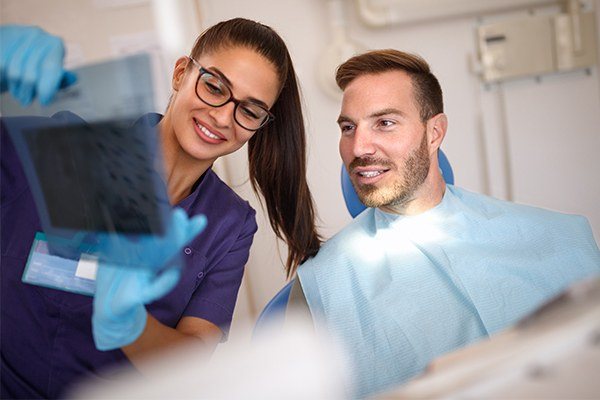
(224, 192)
(231, 219)
(216, 199)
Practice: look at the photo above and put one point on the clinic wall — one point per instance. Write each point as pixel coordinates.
(87, 26)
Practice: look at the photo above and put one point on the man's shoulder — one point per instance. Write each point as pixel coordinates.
(362, 224)
(495, 209)
(340, 244)
(494, 205)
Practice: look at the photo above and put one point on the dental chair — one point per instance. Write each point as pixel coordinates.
(275, 308)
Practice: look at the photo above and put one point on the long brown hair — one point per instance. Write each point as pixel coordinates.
(277, 151)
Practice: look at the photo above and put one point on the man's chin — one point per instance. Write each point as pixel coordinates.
(372, 199)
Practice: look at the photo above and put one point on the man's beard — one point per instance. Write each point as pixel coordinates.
(401, 191)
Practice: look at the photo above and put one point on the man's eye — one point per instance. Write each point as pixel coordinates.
(346, 128)
(386, 123)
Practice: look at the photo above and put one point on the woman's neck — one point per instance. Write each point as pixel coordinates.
(181, 171)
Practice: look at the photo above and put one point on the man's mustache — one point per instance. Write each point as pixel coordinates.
(368, 161)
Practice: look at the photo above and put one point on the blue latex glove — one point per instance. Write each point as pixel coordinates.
(119, 316)
(149, 251)
(31, 63)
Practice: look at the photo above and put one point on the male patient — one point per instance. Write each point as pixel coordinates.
(429, 267)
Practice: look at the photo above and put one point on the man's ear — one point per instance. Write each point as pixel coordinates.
(436, 131)
(179, 72)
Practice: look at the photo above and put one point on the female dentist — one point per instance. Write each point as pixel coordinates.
(237, 86)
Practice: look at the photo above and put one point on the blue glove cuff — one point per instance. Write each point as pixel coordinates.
(114, 333)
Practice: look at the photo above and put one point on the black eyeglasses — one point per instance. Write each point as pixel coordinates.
(212, 91)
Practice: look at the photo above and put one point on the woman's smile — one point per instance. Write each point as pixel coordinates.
(208, 135)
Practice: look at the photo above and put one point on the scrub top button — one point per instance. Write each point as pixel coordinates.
(187, 251)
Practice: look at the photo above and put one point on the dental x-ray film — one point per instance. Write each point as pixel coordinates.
(93, 167)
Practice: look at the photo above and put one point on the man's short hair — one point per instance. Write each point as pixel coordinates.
(428, 92)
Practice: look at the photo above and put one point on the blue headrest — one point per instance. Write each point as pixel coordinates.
(354, 205)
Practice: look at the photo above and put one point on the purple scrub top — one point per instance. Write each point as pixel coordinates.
(46, 338)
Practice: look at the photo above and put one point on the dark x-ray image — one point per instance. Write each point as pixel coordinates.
(99, 177)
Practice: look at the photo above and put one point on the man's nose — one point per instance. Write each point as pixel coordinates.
(363, 144)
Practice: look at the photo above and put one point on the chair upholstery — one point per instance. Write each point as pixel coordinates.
(276, 306)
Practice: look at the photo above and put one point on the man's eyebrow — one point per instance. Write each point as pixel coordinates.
(228, 82)
(343, 118)
(387, 111)
(376, 114)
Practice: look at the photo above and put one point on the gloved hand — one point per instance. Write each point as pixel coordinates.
(119, 316)
(31, 62)
(147, 251)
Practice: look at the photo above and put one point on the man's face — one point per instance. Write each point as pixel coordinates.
(383, 141)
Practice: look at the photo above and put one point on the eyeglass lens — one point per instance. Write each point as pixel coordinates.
(213, 91)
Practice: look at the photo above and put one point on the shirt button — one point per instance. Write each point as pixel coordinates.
(200, 275)
(187, 251)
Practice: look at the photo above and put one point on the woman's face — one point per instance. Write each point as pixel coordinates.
(205, 132)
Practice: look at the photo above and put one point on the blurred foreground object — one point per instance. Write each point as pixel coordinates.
(290, 363)
(95, 122)
(554, 353)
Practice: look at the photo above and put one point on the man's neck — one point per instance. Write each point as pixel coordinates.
(426, 197)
